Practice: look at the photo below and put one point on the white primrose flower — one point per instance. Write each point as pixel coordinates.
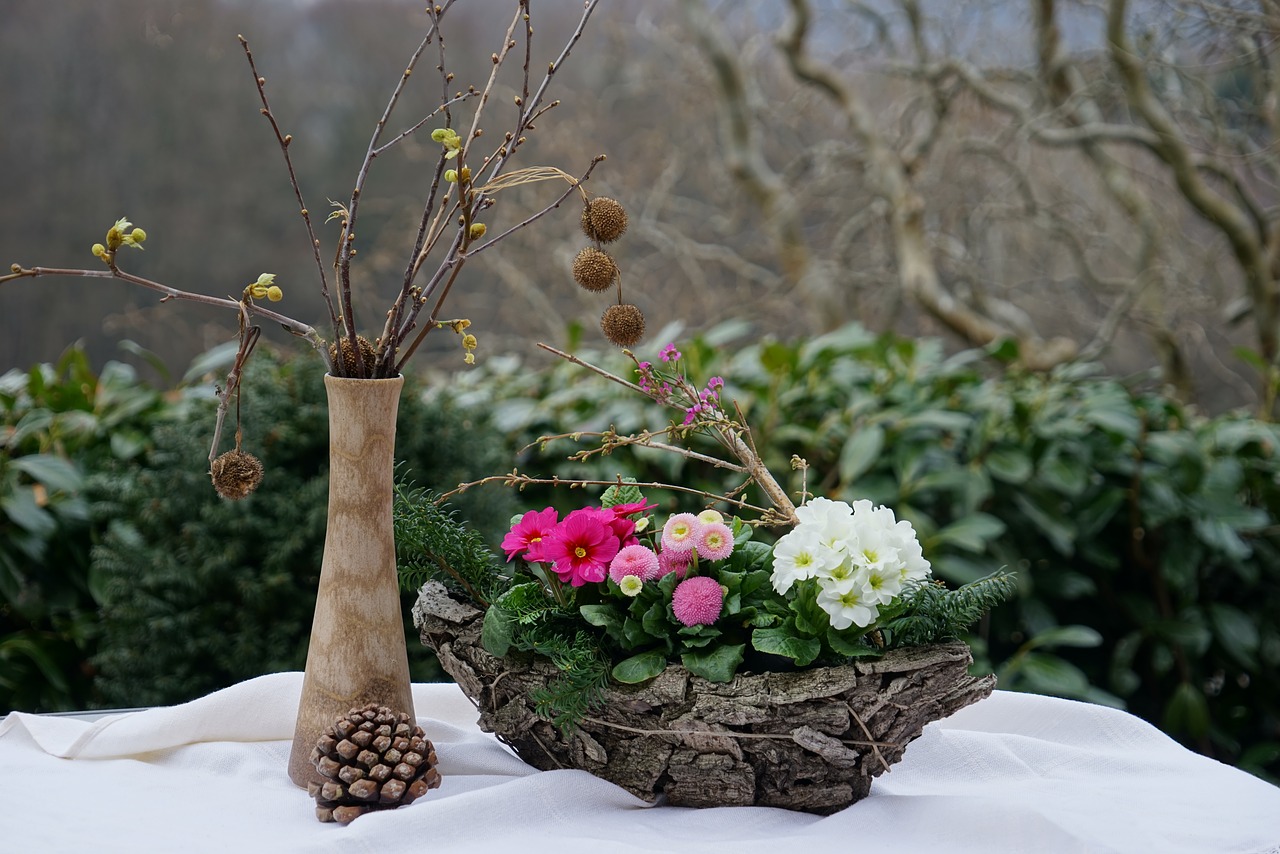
(832, 521)
(848, 603)
(860, 556)
(800, 555)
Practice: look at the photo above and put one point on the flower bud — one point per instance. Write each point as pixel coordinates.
(274, 293)
(451, 175)
(99, 251)
(477, 230)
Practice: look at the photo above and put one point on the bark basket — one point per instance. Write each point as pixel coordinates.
(357, 654)
(809, 740)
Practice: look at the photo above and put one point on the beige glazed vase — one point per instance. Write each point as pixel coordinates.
(357, 653)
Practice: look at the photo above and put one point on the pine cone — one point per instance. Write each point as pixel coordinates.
(374, 758)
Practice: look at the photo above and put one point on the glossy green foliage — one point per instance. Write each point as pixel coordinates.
(58, 422)
(126, 581)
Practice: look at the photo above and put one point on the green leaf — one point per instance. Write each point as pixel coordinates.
(782, 640)
(1059, 532)
(717, 664)
(1236, 632)
(639, 668)
(497, 631)
(1076, 636)
(860, 452)
(628, 494)
(1187, 712)
(1011, 465)
(54, 472)
(606, 617)
(1065, 476)
(1048, 674)
(970, 533)
(23, 510)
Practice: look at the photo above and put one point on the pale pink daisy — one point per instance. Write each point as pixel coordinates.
(680, 534)
(715, 541)
(636, 560)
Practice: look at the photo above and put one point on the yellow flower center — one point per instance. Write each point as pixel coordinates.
(580, 552)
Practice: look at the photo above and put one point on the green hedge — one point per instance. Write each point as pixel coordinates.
(56, 423)
(125, 580)
(1145, 536)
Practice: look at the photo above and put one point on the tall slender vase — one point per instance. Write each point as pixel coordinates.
(357, 653)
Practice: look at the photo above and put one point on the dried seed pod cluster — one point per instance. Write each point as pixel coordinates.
(235, 474)
(346, 363)
(373, 758)
(604, 220)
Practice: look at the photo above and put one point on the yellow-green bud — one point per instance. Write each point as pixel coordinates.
(99, 251)
(477, 230)
(114, 238)
(439, 134)
(257, 291)
(465, 174)
(138, 235)
(451, 175)
(274, 293)
(469, 341)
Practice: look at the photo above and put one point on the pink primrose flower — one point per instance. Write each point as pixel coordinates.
(697, 601)
(582, 546)
(527, 534)
(715, 541)
(634, 560)
(670, 354)
(640, 506)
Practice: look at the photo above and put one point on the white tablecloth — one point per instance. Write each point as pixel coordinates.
(1015, 772)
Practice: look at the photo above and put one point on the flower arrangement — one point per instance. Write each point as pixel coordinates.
(616, 623)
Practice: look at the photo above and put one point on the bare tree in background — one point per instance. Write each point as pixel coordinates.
(1113, 188)
(1091, 179)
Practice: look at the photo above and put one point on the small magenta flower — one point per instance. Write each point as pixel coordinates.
(670, 354)
(715, 541)
(582, 546)
(697, 601)
(527, 534)
(636, 560)
(680, 534)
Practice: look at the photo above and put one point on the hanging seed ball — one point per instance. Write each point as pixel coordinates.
(594, 270)
(373, 758)
(604, 219)
(623, 325)
(347, 365)
(235, 474)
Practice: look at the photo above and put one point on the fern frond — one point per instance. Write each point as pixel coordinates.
(934, 613)
(431, 543)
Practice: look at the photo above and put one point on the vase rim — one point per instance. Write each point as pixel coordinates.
(397, 378)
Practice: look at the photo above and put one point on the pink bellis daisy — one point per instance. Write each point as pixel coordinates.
(677, 562)
(680, 534)
(636, 560)
(527, 534)
(714, 541)
(697, 601)
(581, 547)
